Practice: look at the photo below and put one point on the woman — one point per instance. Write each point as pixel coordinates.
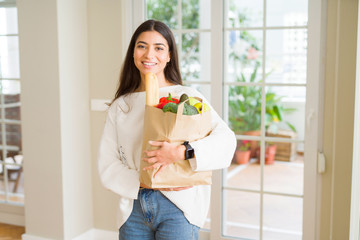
(145, 213)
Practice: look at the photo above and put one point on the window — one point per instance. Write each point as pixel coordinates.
(11, 187)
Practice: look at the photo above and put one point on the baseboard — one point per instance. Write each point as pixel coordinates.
(12, 219)
(92, 234)
(98, 234)
(31, 237)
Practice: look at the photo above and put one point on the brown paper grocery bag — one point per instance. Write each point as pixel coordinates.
(174, 128)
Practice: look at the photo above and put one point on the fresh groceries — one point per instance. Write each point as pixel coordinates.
(192, 106)
(165, 100)
(152, 89)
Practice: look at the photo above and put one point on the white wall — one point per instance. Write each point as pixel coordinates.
(105, 58)
(55, 118)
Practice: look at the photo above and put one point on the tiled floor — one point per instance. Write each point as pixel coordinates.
(281, 213)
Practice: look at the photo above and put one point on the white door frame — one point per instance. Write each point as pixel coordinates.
(314, 117)
(355, 188)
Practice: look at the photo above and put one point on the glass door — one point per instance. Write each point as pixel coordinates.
(265, 60)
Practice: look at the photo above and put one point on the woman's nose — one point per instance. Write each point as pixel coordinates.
(149, 53)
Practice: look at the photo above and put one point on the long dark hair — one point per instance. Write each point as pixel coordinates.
(130, 76)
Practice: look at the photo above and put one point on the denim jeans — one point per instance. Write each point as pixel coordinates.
(154, 217)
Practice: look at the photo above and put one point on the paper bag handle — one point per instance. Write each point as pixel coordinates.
(180, 109)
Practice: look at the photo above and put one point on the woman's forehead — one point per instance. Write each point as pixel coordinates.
(151, 37)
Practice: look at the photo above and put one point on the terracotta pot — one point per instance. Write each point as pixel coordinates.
(270, 152)
(242, 157)
(253, 144)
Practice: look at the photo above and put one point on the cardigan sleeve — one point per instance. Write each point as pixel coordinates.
(217, 149)
(114, 174)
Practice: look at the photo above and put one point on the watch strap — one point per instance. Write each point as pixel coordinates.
(189, 151)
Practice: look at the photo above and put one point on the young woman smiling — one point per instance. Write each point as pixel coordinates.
(145, 213)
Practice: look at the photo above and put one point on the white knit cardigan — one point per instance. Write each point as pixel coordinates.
(120, 153)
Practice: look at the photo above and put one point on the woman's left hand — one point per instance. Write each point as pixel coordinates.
(166, 154)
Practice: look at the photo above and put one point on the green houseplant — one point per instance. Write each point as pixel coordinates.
(245, 107)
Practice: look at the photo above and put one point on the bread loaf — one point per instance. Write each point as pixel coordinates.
(152, 89)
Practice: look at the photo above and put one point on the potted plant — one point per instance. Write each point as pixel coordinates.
(270, 152)
(245, 109)
(245, 101)
(242, 153)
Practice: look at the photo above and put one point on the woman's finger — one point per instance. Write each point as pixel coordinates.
(151, 153)
(156, 143)
(150, 159)
(155, 165)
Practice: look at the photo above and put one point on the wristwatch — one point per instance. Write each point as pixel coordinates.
(189, 152)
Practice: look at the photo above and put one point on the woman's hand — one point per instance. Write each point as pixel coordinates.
(166, 154)
(165, 189)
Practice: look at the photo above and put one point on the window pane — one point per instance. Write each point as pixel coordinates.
(13, 113)
(286, 52)
(195, 57)
(196, 14)
(283, 176)
(10, 87)
(287, 13)
(15, 183)
(163, 10)
(13, 136)
(204, 89)
(8, 21)
(244, 171)
(9, 57)
(244, 13)
(285, 111)
(244, 108)
(244, 56)
(242, 214)
(282, 218)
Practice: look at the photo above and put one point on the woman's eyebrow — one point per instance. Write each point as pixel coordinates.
(142, 42)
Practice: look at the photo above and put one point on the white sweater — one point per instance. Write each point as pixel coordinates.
(120, 154)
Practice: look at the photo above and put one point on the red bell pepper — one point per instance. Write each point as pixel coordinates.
(164, 100)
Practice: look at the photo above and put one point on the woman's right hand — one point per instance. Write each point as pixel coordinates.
(165, 189)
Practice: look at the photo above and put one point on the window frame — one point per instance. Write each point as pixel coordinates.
(11, 213)
(355, 189)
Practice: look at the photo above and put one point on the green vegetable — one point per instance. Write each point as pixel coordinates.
(190, 110)
(173, 107)
(183, 97)
(170, 107)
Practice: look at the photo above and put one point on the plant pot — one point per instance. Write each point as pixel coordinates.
(270, 152)
(253, 144)
(242, 157)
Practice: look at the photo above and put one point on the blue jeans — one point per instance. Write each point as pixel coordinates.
(155, 217)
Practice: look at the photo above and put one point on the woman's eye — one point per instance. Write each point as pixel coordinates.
(159, 48)
(140, 46)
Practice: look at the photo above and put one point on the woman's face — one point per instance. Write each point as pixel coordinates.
(151, 53)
